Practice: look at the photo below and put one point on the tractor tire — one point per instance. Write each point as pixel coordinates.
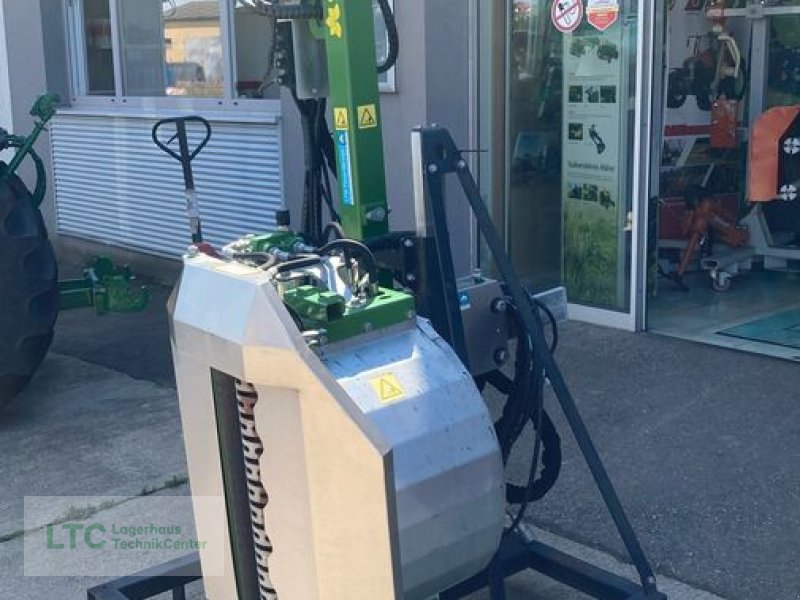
(28, 288)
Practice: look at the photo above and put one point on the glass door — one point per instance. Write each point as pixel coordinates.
(572, 161)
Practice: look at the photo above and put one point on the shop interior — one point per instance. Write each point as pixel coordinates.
(725, 224)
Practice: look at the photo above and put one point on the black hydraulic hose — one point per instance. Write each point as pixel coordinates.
(301, 262)
(536, 489)
(347, 245)
(551, 446)
(336, 229)
(527, 396)
(393, 36)
(553, 322)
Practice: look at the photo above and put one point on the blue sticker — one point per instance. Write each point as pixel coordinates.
(464, 301)
(345, 168)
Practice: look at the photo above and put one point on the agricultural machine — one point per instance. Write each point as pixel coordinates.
(30, 293)
(330, 376)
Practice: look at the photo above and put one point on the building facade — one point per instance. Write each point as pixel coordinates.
(591, 124)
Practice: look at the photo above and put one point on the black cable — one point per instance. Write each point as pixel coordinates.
(525, 405)
(301, 262)
(391, 34)
(335, 228)
(553, 322)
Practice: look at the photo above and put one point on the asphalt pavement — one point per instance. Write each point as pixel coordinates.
(701, 442)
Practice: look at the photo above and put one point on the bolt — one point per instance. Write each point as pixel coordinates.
(367, 327)
(408, 243)
(411, 314)
(376, 215)
(191, 251)
(501, 356)
(499, 305)
(462, 164)
(411, 278)
(432, 168)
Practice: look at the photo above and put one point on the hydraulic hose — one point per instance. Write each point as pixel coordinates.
(336, 229)
(391, 33)
(301, 262)
(347, 245)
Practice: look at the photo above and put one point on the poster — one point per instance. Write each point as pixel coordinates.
(594, 159)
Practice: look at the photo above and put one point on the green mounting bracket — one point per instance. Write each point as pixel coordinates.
(328, 312)
(106, 287)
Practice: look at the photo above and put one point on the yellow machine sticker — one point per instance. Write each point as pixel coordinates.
(367, 116)
(340, 119)
(333, 21)
(388, 388)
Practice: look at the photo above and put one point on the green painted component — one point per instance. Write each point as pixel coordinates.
(43, 110)
(106, 287)
(350, 47)
(327, 310)
(75, 293)
(312, 304)
(285, 241)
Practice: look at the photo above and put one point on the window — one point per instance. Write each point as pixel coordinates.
(192, 47)
(200, 49)
(386, 80)
(150, 48)
(99, 73)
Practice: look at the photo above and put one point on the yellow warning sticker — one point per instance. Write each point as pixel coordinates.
(340, 119)
(367, 116)
(388, 388)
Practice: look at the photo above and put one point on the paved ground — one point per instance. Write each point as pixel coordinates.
(702, 443)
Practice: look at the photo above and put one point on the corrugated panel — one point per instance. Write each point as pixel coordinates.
(114, 186)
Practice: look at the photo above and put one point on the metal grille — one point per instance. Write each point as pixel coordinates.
(114, 186)
(253, 449)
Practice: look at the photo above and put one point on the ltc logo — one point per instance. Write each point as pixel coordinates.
(334, 20)
(73, 528)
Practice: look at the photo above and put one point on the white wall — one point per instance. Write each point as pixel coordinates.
(22, 79)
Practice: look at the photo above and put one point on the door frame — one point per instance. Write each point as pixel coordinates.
(650, 32)
(646, 158)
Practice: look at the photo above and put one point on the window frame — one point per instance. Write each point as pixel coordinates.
(229, 100)
(390, 85)
(76, 40)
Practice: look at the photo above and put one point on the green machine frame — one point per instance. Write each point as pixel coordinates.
(349, 31)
